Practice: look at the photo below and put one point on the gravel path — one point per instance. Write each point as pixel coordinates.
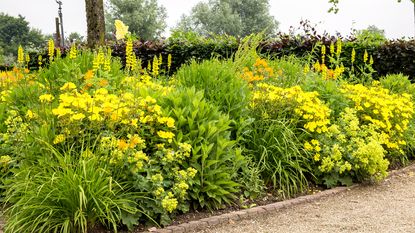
(385, 207)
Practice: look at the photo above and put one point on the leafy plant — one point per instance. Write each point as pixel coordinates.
(204, 127)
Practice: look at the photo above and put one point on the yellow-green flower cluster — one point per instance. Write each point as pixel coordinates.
(352, 145)
(313, 113)
(156, 66)
(390, 113)
(169, 203)
(314, 147)
(121, 30)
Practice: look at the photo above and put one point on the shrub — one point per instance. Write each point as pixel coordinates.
(220, 84)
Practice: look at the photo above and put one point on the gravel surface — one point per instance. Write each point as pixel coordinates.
(385, 207)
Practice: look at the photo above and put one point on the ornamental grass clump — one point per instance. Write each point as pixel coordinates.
(67, 194)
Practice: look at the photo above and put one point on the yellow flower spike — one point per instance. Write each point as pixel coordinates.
(339, 48)
(155, 66)
(169, 59)
(20, 55)
(323, 49)
(371, 60)
(58, 53)
(332, 49)
(39, 60)
(160, 59)
(51, 49)
(365, 56)
(27, 58)
(317, 66)
(353, 58)
(73, 52)
(121, 29)
(130, 58)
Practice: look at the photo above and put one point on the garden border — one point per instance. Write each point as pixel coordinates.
(262, 210)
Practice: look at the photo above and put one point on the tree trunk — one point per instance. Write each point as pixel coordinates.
(95, 22)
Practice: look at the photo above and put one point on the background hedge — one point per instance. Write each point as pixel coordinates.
(395, 56)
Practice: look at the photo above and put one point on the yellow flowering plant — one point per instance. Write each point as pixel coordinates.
(390, 113)
(135, 138)
(269, 101)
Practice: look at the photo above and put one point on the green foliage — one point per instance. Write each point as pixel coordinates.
(277, 152)
(15, 31)
(214, 157)
(398, 84)
(370, 36)
(66, 194)
(289, 71)
(220, 84)
(350, 151)
(146, 19)
(79, 70)
(328, 92)
(232, 17)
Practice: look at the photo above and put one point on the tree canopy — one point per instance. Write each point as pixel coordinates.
(145, 18)
(15, 31)
(232, 17)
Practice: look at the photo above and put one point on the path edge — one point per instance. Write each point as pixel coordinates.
(239, 215)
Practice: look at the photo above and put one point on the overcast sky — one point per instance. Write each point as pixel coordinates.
(397, 19)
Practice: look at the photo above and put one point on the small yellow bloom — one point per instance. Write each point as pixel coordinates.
(30, 114)
(46, 98)
(77, 117)
(68, 86)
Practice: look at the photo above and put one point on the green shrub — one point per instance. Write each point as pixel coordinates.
(220, 84)
(398, 84)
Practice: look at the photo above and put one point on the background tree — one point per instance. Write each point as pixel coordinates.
(232, 17)
(372, 35)
(75, 37)
(15, 31)
(95, 22)
(145, 18)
